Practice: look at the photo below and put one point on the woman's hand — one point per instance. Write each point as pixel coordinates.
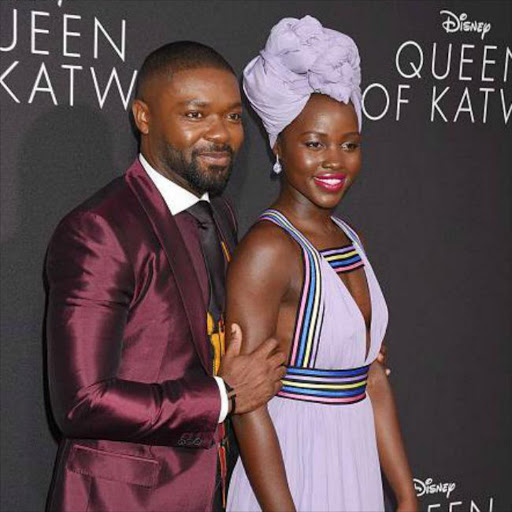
(392, 455)
(409, 504)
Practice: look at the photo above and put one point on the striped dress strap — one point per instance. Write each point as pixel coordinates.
(349, 231)
(343, 259)
(310, 312)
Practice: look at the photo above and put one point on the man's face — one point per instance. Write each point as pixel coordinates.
(191, 127)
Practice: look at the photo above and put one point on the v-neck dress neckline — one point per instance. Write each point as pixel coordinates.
(306, 244)
(366, 267)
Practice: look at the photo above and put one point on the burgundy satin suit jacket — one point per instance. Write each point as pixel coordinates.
(130, 366)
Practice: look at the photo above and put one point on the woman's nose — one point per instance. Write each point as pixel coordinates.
(333, 159)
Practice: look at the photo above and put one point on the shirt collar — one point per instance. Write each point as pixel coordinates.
(176, 197)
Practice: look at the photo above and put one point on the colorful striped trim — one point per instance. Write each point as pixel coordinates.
(343, 259)
(302, 380)
(308, 324)
(333, 387)
(350, 232)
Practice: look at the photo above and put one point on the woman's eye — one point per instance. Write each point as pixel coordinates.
(350, 146)
(194, 115)
(235, 116)
(313, 144)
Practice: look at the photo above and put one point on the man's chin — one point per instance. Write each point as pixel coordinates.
(215, 189)
(216, 178)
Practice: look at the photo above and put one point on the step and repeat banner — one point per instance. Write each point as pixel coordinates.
(433, 201)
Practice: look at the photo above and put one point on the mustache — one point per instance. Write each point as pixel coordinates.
(214, 148)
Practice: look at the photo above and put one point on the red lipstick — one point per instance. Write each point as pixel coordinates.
(331, 182)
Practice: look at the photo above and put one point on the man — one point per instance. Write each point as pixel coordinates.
(135, 320)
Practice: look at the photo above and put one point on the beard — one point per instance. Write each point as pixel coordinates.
(212, 178)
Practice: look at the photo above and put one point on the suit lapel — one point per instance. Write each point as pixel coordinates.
(167, 232)
(226, 232)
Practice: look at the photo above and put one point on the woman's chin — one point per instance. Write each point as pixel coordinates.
(328, 201)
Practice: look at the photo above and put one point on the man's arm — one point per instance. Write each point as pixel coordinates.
(91, 283)
(91, 286)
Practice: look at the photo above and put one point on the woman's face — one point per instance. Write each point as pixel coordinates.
(320, 152)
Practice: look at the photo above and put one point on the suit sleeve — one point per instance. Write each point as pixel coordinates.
(90, 289)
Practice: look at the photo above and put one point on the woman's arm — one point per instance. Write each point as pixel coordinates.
(390, 444)
(263, 462)
(258, 282)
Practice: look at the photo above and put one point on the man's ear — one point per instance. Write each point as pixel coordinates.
(140, 111)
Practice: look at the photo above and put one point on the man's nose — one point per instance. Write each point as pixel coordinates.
(217, 131)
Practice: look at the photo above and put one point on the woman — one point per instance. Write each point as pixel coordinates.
(303, 277)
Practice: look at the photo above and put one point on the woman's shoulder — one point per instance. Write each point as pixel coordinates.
(266, 249)
(265, 259)
(266, 238)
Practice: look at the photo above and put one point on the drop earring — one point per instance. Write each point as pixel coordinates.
(277, 166)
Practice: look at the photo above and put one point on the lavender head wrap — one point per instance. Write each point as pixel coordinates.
(300, 58)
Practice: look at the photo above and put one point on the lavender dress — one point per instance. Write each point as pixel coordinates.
(322, 415)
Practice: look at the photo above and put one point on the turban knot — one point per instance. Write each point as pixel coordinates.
(300, 58)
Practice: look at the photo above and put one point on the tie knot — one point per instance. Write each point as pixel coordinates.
(202, 211)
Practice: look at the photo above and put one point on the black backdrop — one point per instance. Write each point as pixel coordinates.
(433, 201)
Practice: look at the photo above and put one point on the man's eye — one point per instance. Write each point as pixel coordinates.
(235, 116)
(313, 144)
(194, 115)
(350, 146)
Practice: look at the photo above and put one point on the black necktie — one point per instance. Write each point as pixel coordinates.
(213, 256)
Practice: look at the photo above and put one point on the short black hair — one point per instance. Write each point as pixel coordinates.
(178, 56)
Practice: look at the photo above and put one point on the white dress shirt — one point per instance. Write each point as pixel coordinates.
(178, 200)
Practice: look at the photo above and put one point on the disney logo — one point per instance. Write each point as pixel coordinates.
(428, 487)
(454, 23)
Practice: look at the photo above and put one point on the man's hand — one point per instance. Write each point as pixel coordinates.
(382, 357)
(256, 377)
